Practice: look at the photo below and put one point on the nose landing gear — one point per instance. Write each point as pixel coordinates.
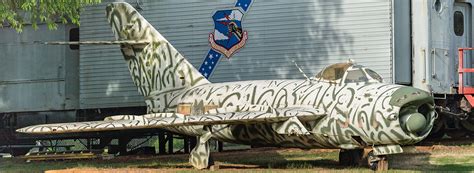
(357, 157)
(377, 163)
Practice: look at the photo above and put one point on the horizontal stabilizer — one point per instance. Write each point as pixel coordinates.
(161, 120)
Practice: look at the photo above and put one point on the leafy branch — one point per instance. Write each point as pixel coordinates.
(17, 13)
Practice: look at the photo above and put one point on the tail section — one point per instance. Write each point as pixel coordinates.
(157, 66)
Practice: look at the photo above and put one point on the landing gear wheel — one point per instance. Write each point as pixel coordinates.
(344, 158)
(438, 130)
(377, 163)
(351, 157)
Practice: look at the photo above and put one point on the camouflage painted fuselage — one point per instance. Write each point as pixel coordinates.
(354, 110)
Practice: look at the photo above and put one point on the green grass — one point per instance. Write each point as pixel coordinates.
(450, 162)
(19, 165)
(459, 158)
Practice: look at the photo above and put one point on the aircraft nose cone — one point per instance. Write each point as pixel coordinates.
(413, 122)
(416, 110)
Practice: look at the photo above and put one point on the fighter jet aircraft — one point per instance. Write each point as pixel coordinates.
(346, 106)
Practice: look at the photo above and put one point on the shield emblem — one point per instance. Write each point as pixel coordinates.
(228, 35)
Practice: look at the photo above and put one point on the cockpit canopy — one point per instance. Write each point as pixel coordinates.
(348, 73)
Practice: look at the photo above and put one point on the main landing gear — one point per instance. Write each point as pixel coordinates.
(357, 157)
(200, 156)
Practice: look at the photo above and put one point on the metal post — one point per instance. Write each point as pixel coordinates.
(122, 145)
(161, 143)
(89, 145)
(192, 142)
(186, 144)
(170, 143)
(220, 146)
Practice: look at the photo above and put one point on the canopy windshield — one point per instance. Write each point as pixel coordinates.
(334, 72)
(348, 73)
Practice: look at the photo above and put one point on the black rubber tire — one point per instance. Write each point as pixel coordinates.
(351, 157)
(344, 158)
(357, 155)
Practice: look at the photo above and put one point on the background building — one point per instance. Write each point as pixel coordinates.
(408, 42)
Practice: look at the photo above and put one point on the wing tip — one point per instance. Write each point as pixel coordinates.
(22, 130)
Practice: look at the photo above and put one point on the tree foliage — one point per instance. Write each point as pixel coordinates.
(17, 13)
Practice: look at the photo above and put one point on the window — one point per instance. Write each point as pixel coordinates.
(74, 36)
(334, 72)
(458, 23)
(437, 6)
(355, 76)
(373, 75)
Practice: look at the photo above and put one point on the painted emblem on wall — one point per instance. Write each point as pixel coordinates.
(228, 36)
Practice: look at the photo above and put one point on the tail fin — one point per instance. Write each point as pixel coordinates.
(156, 66)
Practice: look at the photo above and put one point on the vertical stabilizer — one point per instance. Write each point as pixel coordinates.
(155, 66)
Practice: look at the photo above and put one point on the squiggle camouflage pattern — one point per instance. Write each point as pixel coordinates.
(160, 120)
(283, 113)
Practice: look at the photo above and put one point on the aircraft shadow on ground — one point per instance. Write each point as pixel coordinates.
(274, 159)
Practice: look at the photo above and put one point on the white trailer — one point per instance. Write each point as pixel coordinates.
(439, 29)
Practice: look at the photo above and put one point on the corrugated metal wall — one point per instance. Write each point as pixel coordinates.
(313, 33)
(35, 77)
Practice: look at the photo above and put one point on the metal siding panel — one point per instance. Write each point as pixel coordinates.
(104, 78)
(36, 96)
(313, 33)
(315, 38)
(35, 77)
(402, 42)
